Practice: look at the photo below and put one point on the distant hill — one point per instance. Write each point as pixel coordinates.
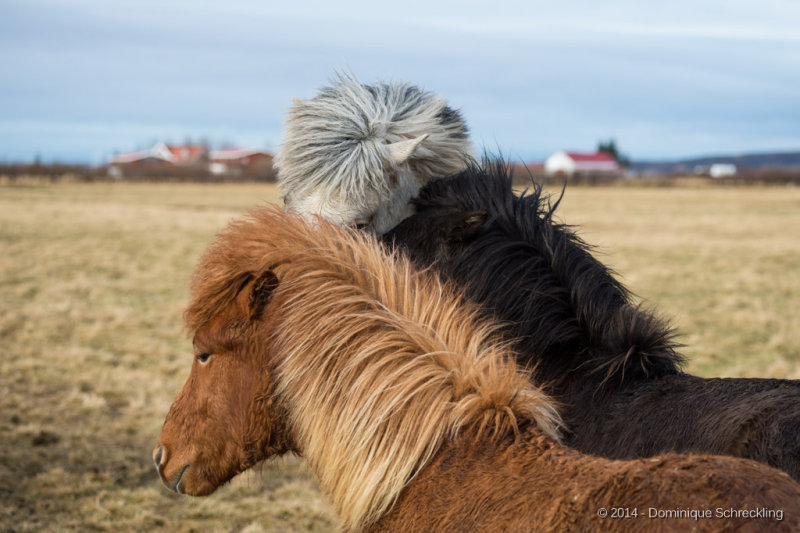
(750, 161)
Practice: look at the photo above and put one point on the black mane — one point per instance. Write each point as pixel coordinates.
(566, 310)
(612, 365)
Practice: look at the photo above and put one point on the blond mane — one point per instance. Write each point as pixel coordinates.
(379, 364)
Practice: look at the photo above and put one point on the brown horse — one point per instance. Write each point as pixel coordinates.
(409, 408)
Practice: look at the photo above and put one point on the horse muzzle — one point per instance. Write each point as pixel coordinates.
(173, 479)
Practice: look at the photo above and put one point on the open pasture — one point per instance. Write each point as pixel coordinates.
(93, 281)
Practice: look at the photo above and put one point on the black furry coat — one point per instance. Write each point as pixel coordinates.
(612, 364)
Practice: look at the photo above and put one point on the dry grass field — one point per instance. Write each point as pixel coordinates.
(93, 279)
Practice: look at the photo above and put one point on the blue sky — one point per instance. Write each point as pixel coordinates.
(82, 79)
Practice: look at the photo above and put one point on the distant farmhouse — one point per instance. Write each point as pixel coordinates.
(160, 154)
(192, 159)
(716, 170)
(572, 163)
(237, 161)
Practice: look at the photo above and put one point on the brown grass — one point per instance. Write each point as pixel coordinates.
(723, 262)
(93, 281)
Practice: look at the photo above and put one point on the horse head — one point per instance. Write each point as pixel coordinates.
(356, 154)
(226, 418)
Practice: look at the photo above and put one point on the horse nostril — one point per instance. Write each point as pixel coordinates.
(157, 455)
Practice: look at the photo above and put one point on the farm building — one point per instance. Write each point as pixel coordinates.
(570, 163)
(240, 162)
(191, 161)
(721, 170)
(159, 156)
(716, 170)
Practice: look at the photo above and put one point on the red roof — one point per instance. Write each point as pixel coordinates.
(597, 157)
(236, 153)
(187, 153)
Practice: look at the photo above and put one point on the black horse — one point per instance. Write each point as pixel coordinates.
(613, 364)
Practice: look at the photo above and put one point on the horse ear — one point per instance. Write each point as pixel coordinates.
(263, 288)
(467, 225)
(402, 151)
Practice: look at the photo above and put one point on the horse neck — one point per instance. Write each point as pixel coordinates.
(373, 392)
(566, 310)
(502, 478)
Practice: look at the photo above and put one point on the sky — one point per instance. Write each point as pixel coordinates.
(81, 80)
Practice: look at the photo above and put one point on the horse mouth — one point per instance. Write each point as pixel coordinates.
(177, 484)
(178, 487)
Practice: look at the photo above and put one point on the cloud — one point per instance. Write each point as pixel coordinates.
(530, 77)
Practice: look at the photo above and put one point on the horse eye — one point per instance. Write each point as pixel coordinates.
(203, 357)
(363, 223)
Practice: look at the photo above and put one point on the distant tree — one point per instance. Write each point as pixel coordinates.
(610, 147)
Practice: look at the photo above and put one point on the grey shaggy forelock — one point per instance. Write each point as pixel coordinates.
(339, 158)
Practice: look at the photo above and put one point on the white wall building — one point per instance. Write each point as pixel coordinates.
(721, 170)
(570, 163)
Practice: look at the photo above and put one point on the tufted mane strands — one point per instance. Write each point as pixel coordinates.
(568, 310)
(379, 364)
